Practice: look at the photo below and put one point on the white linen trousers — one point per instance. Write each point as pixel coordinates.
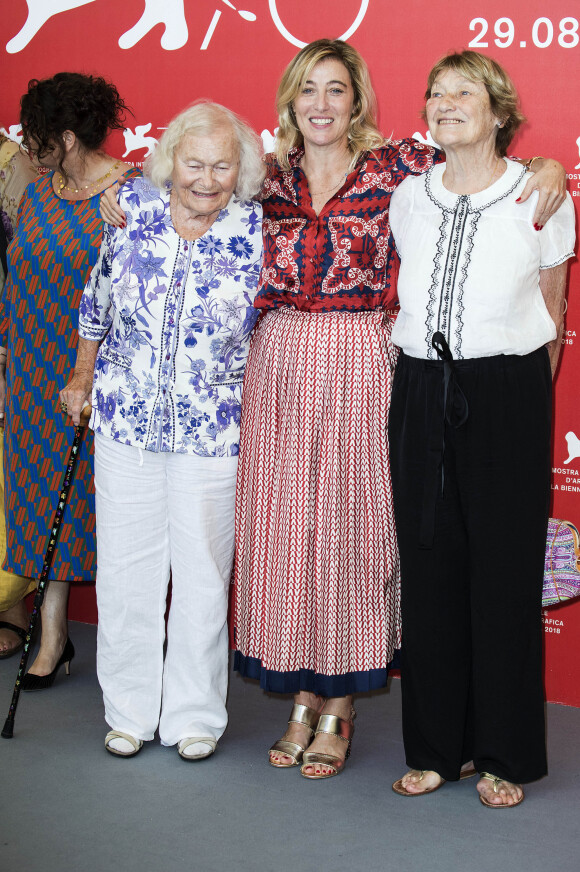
(156, 512)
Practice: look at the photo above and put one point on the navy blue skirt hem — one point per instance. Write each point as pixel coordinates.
(307, 679)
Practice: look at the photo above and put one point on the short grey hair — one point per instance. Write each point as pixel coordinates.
(201, 119)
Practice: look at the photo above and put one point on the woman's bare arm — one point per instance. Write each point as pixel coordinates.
(79, 389)
(553, 286)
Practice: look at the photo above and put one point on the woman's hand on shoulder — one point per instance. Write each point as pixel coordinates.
(111, 212)
(77, 395)
(549, 179)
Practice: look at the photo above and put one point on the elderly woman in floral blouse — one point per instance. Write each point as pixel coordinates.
(164, 325)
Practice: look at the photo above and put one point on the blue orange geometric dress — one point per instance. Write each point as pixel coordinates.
(55, 246)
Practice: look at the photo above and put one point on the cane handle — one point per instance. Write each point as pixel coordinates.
(86, 414)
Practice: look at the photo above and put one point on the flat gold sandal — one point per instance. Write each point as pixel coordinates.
(402, 791)
(496, 781)
(307, 717)
(333, 726)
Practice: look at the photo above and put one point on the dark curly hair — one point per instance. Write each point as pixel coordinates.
(89, 106)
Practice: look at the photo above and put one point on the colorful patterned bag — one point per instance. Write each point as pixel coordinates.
(562, 565)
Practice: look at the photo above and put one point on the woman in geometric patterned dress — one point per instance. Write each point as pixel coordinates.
(65, 121)
(16, 173)
(317, 608)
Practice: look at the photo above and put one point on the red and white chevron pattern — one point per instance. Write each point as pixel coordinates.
(317, 570)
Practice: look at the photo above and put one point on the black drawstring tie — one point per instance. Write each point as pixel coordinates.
(455, 412)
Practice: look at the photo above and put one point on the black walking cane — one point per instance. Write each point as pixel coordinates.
(51, 544)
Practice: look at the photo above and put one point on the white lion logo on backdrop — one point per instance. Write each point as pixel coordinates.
(426, 140)
(268, 140)
(14, 132)
(169, 13)
(138, 140)
(573, 447)
(39, 11)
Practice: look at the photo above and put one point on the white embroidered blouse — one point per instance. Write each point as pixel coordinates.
(470, 266)
(174, 320)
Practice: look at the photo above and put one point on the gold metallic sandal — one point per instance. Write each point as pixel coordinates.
(333, 726)
(496, 782)
(307, 717)
(402, 791)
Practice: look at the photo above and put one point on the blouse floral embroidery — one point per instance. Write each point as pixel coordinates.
(174, 320)
(342, 258)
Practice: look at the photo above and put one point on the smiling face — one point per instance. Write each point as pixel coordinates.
(324, 105)
(205, 171)
(459, 112)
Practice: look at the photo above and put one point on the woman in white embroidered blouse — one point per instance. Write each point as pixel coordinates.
(481, 290)
(164, 327)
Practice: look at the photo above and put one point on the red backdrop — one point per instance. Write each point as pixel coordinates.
(162, 54)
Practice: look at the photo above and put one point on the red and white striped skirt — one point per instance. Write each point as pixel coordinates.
(317, 570)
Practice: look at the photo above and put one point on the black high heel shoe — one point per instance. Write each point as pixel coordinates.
(42, 682)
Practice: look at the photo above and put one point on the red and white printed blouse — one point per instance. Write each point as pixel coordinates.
(342, 258)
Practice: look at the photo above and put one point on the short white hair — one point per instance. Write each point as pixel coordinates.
(202, 119)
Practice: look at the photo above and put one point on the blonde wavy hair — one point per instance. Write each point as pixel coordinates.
(201, 119)
(503, 97)
(363, 133)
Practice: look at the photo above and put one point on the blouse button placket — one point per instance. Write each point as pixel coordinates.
(170, 347)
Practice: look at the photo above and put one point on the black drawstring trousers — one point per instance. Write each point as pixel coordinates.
(470, 463)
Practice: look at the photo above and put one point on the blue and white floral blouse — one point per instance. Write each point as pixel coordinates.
(174, 320)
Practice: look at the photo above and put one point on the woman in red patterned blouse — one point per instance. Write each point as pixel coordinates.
(317, 585)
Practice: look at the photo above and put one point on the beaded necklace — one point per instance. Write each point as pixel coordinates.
(94, 185)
